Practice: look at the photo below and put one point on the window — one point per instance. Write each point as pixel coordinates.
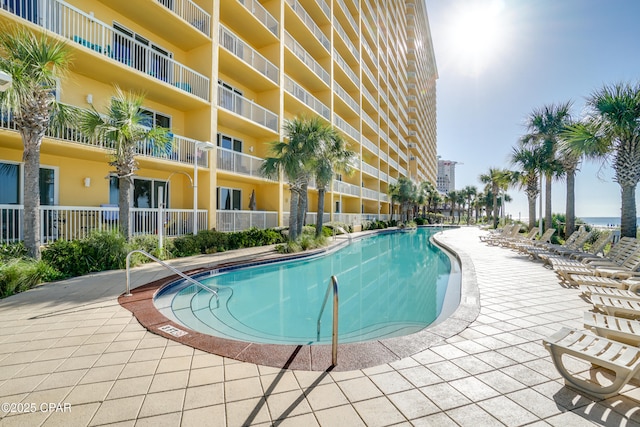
(9, 184)
(155, 119)
(230, 143)
(11, 180)
(228, 199)
(143, 196)
(230, 97)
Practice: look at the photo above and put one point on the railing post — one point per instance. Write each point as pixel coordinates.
(334, 337)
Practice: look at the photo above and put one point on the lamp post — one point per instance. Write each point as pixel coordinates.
(198, 146)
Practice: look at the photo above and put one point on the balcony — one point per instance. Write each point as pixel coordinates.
(304, 56)
(347, 70)
(240, 106)
(370, 146)
(95, 37)
(347, 14)
(309, 23)
(251, 20)
(245, 53)
(345, 188)
(345, 39)
(306, 98)
(180, 150)
(182, 22)
(368, 169)
(370, 194)
(342, 94)
(239, 163)
(346, 127)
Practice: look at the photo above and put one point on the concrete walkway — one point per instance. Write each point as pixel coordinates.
(72, 345)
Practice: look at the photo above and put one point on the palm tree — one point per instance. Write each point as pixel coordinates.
(544, 126)
(469, 192)
(295, 159)
(611, 132)
(331, 157)
(35, 63)
(529, 161)
(570, 159)
(403, 192)
(496, 180)
(125, 128)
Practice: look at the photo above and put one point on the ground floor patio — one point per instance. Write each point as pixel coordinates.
(72, 343)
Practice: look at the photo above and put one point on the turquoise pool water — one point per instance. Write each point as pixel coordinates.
(390, 284)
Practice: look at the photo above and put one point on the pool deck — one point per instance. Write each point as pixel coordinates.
(72, 342)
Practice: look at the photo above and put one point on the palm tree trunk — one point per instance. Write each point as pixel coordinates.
(495, 207)
(532, 211)
(293, 214)
(547, 204)
(124, 200)
(571, 203)
(302, 207)
(320, 213)
(31, 200)
(628, 220)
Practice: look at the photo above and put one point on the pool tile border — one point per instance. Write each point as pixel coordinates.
(306, 357)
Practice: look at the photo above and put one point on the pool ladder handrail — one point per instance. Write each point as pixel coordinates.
(338, 228)
(333, 284)
(174, 270)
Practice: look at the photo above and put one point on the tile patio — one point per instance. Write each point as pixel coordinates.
(71, 342)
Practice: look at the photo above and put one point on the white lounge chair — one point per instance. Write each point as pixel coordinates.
(622, 359)
(614, 292)
(578, 255)
(614, 328)
(616, 306)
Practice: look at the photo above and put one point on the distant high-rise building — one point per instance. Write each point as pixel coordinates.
(446, 180)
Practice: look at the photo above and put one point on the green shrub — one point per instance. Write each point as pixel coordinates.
(186, 246)
(150, 244)
(66, 257)
(19, 275)
(12, 250)
(334, 224)
(104, 250)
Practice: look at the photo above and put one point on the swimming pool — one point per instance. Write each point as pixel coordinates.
(391, 284)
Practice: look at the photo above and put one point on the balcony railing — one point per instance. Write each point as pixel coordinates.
(305, 57)
(77, 222)
(73, 24)
(350, 219)
(345, 188)
(243, 220)
(371, 170)
(325, 7)
(310, 218)
(238, 104)
(246, 53)
(180, 149)
(345, 67)
(310, 23)
(346, 97)
(370, 194)
(370, 145)
(190, 12)
(311, 101)
(240, 163)
(261, 15)
(347, 13)
(352, 48)
(346, 127)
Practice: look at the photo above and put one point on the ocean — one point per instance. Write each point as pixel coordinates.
(604, 221)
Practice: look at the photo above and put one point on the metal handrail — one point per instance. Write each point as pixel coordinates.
(337, 227)
(334, 338)
(164, 264)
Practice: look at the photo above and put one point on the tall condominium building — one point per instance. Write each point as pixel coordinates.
(223, 76)
(446, 180)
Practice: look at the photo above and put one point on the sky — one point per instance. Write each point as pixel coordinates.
(498, 60)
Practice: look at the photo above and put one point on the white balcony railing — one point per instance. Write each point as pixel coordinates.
(238, 104)
(345, 188)
(370, 194)
(346, 127)
(310, 218)
(261, 15)
(349, 16)
(310, 23)
(371, 170)
(246, 53)
(73, 24)
(76, 222)
(370, 146)
(345, 67)
(243, 220)
(240, 163)
(343, 34)
(305, 57)
(346, 97)
(190, 12)
(311, 101)
(180, 149)
(350, 219)
(325, 8)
